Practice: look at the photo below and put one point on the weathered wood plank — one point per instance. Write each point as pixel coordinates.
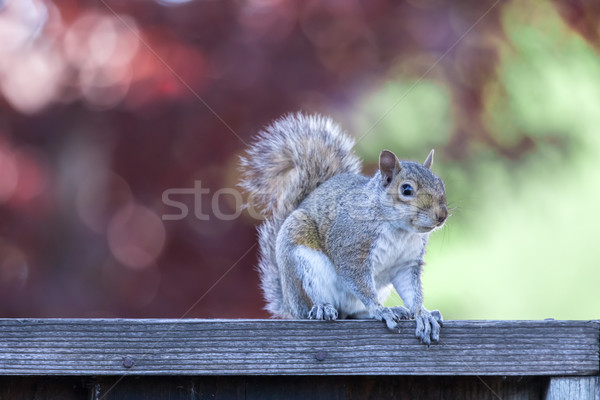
(43, 388)
(574, 387)
(273, 387)
(275, 347)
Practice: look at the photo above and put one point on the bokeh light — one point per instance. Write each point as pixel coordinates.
(14, 270)
(104, 106)
(9, 177)
(136, 236)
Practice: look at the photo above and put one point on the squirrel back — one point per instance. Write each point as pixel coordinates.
(287, 161)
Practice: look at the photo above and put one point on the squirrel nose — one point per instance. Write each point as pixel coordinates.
(441, 214)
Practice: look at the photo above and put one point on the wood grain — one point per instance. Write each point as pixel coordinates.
(276, 347)
(574, 387)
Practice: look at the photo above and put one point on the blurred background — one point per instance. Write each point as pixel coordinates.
(121, 124)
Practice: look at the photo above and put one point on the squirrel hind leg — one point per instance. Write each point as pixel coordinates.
(309, 282)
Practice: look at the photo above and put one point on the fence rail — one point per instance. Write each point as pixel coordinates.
(564, 355)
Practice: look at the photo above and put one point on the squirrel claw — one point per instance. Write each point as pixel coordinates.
(428, 326)
(323, 312)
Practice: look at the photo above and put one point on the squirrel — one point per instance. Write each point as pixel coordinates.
(334, 241)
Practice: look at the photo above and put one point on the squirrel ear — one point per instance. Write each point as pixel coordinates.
(389, 166)
(429, 160)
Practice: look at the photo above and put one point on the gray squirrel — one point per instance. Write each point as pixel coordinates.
(335, 241)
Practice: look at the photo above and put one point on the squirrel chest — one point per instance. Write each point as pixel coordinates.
(395, 249)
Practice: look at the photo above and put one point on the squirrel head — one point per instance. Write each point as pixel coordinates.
(414, 197)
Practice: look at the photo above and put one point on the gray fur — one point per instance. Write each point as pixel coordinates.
(291, 157)
(287, 161)
(336, 240)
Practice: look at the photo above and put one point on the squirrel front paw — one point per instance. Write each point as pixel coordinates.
(390, 316)
(428, 325)
(323, 312)
(402, 312)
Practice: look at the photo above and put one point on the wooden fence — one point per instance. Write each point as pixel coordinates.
(274, 359)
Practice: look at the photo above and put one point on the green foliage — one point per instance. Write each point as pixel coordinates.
(417, 118)
(522, 242)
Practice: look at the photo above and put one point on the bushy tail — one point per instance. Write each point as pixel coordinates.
(287, 161)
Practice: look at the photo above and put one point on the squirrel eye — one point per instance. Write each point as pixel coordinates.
(406, 189)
